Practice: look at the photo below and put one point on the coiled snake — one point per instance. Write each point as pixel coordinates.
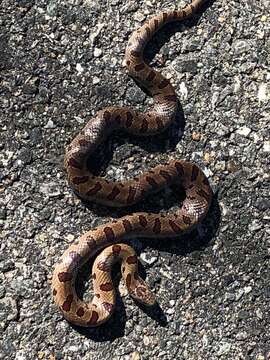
(93, 188)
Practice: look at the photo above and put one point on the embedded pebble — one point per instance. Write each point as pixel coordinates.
(224, 348)
(148, 259)
(241, 46)
(50, 189)
(8, 309)
(50, 124)
(266, 146)
(79, 68)
(245, 131)
(97, 52)
(196, 136)
(135, 355)
(170, 311)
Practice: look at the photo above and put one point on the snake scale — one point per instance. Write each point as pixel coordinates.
(106, 239)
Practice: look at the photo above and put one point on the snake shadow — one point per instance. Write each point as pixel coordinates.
(114, 328)
(116, 325)
(195, 241)
(161, 143)
(164, 142)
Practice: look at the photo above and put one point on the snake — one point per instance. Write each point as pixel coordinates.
(107, 241)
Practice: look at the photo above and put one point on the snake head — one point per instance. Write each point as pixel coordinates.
(143, 294)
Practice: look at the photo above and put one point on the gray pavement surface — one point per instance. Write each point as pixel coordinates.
(61, 61)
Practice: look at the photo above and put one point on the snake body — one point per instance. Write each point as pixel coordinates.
(94, 188)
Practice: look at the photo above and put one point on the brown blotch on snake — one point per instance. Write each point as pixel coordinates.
(159, 123)
(64, 276)
(67, 303)
(106, 287)
(73, 163)
(104, 240)
(127, 225)
(195, 173)
(116, 249)
(187, 220)
(92, 191)
(132, 259)
(142, 220)
(110, 236)
(80, 312)
(170, 97)
(115, 191)
(150, 77)
(151, 181)
(93, 320)
(128, 280)
(91, 242)
(131, 195)
(177, 229)
(80, 179)
(139, 67)
(108, 307)
(83, 142)
(166, 175)
(129, 119)
(157, 226)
